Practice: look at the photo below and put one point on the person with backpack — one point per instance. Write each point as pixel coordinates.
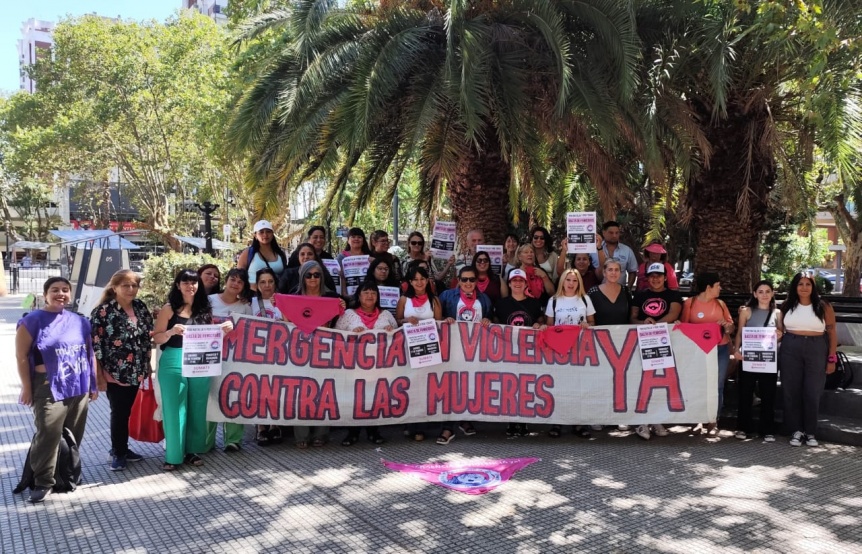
(54, 355)
(263, 252)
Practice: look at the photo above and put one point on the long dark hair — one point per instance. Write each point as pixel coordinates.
(391, 279)
(255, 245)
(201, 310)
(793, 297)
(415, 234)
(491, 274)
(358, 232)
(753, 303)
(365, 285)
(411, 274)
(205, 267)
(246, 293)
(549, 240)
(293, 261)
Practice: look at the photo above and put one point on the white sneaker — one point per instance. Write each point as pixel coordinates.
(660, 431)
(741, 435)
(768, 438)
(623, 427)
(643, 432)
(811, 441)
(797, 438)
(596, 427)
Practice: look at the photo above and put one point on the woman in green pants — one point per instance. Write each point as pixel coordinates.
(184, 399)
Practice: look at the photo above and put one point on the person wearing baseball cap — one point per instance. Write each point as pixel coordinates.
(655, 253)
(263, 252)
(656, 304)
(522, 311)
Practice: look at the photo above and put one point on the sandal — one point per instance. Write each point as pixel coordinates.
(262, 438)
(275, 436)
(555, 431)
(349, 440)
(444, 439)
(375, 438)
(169, 467)
(317, 443)
(193, 460)
(302, 445)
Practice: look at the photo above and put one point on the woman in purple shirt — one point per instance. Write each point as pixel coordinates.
(54, 353)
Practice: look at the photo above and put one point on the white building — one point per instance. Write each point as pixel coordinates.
(214, 9)
(36, 42)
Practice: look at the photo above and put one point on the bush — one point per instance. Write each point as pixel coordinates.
(159, 273)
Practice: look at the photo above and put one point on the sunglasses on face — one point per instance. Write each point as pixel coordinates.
(417, 243)
(483, 261)
(314, 275)
(538, 237)
(468, 279)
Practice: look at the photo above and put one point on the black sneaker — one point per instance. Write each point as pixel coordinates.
(133, 456)
(118, 463)
(523, 430)
(511, 430)
(38, 494)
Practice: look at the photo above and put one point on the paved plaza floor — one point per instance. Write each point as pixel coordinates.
(612, 493)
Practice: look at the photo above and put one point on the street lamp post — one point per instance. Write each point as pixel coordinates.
(207, 209)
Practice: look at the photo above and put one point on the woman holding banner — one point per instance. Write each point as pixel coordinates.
(234, 299)
(418, 303)
(365, 314)
(707, 307)
(184, 399)
(656, 304)
(611, 299)
(808, 353)
(312, 283)
(759, 312)
(263, 305)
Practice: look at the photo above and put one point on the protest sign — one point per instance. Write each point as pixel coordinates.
(443, 240)
(654, 345)
(389, 298)
(202, 347)
(273, 373)
(334, 269)
(496, 254)
(354, 269)
(581, 232)
(423, 344)
(759, 350)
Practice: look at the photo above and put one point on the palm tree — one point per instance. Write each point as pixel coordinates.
(490, 99)
(758, 78)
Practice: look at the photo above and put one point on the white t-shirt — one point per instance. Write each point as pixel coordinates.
(569, 310)
(265, 308)
(465, 314)
(220, 309)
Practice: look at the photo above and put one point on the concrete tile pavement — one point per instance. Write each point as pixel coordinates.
(613, 493)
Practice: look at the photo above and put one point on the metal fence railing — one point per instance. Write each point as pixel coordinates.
(21, 280)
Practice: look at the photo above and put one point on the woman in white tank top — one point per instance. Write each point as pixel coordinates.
(808, 353)
(419, 302)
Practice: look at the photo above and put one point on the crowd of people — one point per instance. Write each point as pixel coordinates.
(64, 359)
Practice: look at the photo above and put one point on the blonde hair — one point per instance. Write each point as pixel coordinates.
(570, 271)
(109, 293)
(518, 254)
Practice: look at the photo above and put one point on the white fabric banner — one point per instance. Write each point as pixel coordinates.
(274, 373)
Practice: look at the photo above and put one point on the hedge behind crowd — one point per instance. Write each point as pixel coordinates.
(159, 273)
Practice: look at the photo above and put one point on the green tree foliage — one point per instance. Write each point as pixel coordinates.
(146, 98)
(160, 271)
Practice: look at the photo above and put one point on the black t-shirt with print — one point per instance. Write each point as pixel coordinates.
(655, 304)
(523, 313)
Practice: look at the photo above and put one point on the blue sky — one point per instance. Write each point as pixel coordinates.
(15, 12)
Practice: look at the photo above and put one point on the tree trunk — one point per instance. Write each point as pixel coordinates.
(728, 236)
(852, 264)
(479, 194)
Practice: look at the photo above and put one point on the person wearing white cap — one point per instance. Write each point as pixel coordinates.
(263, 252)
(657, 304)
(519, 310)
(655, 253)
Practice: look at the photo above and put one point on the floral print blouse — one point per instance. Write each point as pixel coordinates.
(123, 347)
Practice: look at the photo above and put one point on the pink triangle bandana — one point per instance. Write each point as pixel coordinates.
(560, 338)
(468, 476)
(307, 312)
(705, 335)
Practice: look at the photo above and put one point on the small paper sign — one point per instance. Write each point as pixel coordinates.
(759, 350)
(581, 230)
(354, 268)
(654, 344)
(496, 253)
(334, 269)
(389, 298)
(423, 344)
(443, 240)
(202, 347)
